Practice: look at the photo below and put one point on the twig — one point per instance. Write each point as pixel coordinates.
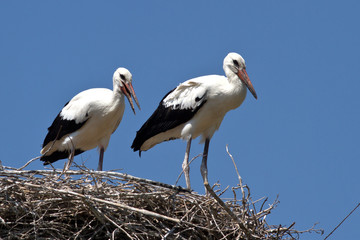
(171, 231)
(342, 221)
(238, 174)
(123, 206)
(226, 208)
(177, 180)
(38, 205)
(97, 173)
(30, 161)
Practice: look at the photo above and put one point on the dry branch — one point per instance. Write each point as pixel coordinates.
(86, 204)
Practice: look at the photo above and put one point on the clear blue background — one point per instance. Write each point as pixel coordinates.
(300, 139)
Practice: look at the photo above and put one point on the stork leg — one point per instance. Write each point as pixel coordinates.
(185, 165)
(203, 167)
(101, 158)
(71, 159)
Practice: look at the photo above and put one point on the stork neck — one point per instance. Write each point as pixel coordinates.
(236, 85)
(117, 95)
(233, 78)
(116, 89)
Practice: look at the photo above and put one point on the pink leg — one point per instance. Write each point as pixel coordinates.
(101, 158)
(203, 168)
(185, 165)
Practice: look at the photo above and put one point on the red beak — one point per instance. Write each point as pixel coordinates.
(134, 95)
(129, 92)
(245, 79)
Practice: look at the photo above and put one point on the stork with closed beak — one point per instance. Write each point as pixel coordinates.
(196, 107)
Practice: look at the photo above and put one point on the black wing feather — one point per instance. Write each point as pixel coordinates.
(61, 127)
(162, 120)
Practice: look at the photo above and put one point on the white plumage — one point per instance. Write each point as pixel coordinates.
(196, 107)
(88, 120)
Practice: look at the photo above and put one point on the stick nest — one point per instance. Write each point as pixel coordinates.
(86, 204)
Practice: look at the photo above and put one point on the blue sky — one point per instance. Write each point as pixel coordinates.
(300, 139)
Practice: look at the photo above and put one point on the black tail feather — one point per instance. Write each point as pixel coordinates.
(57, 155)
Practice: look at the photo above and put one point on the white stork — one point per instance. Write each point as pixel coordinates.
(88, 120)
(196, 107)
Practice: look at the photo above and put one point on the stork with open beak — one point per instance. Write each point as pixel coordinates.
(88, 120)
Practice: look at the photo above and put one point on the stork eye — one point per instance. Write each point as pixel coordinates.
(122, 76)
(236, 63)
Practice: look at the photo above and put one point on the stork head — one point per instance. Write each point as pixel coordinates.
(235, 64)
(122, 79)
